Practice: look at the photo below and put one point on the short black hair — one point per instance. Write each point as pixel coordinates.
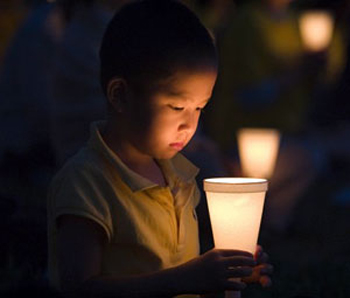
(149, 40)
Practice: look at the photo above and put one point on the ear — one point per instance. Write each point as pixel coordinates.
(116, 93)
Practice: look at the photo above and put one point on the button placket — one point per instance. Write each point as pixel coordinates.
(185, 191)
(169, 207)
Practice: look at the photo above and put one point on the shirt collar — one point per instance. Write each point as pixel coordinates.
(178, 169)
(175, 169)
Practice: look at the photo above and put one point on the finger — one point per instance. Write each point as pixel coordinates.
(239, 261)
(258, 250)
(266, 269)
(263, 258)
(234, 252)
(258, 272)
(265, 281)
(238, 272)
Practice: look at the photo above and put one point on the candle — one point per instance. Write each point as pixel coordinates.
(258, 150)
(316, 29)
(235, 209)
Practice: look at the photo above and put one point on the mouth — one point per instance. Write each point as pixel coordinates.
(177, 146)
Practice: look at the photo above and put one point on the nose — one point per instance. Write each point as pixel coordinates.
(189, 121)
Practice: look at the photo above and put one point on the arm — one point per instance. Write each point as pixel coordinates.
(79, 261)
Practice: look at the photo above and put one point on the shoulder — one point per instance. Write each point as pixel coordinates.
(82, 188)
(85, 173)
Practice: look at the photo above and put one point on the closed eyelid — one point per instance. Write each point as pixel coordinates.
(176, 108)
(182, 105)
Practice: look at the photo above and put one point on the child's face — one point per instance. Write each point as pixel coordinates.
(169, 117)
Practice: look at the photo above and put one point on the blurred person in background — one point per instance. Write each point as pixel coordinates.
(26, 160)
(77, 98)
(214, 14)
(24, 88)
(268, 80)
(331, 114)
(12, 13)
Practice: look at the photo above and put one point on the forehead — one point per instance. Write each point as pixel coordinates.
(194, 84)
(185, 82)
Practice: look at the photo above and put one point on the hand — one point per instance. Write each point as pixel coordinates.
(263, 270)
(213, 271)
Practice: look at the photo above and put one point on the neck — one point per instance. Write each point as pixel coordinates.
(117, 139)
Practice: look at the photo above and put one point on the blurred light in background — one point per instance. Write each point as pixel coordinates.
(316, 29)
(258, 150)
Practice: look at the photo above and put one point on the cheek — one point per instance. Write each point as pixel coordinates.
(164, 127)
(140, 118)
(152, 122)
(163, 123)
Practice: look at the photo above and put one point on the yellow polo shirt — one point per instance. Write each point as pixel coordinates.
(149, 227)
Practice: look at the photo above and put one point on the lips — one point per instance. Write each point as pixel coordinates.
(177, 146)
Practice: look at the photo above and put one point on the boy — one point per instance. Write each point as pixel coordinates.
(122, 219)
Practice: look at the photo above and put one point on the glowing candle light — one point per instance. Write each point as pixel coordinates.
(258, 149)
(235, 209)
(316, 29)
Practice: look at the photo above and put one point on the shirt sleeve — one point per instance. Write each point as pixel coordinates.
(80, 192)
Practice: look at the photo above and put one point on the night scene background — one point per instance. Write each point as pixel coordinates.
(50, 93)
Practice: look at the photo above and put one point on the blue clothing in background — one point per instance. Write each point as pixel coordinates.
(25, 83)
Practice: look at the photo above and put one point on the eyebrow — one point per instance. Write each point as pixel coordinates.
(184, 99)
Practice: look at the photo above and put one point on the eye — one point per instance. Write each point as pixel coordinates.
(176, 108)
